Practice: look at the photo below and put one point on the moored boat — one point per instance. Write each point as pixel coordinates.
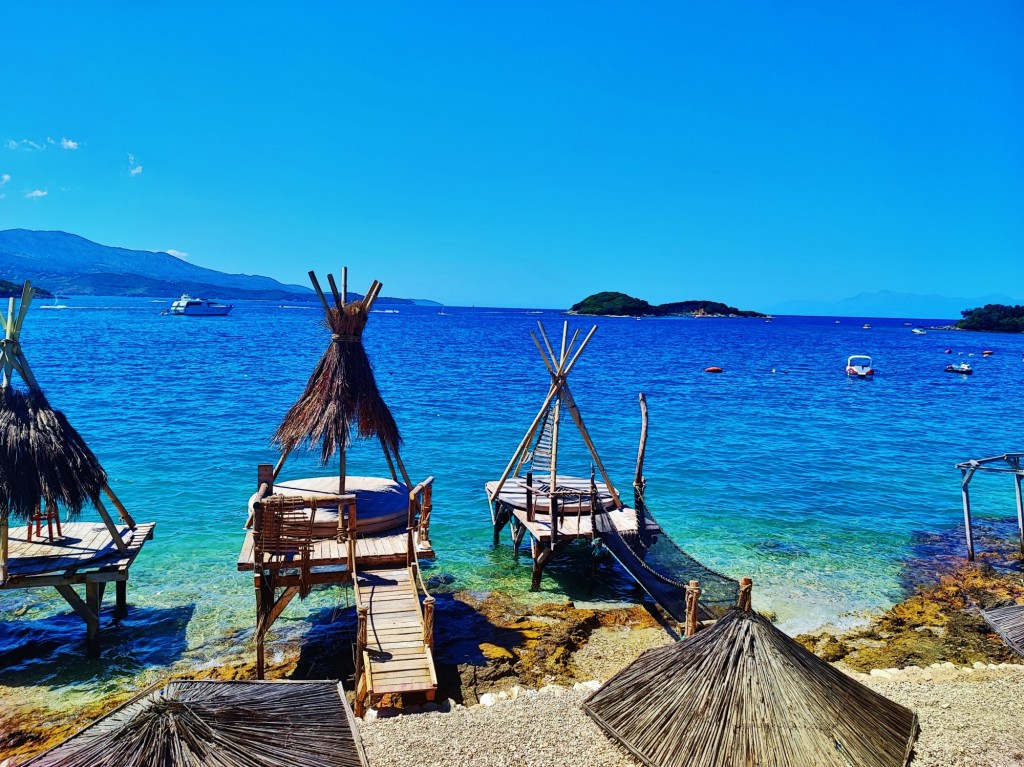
(963, 368)
(199, 307)
(859, 365)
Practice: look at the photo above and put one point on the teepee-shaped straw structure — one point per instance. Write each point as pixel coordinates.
(744, 693)
(342, 392)
(45, 465)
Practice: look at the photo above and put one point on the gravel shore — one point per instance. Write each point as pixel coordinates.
(969, 717)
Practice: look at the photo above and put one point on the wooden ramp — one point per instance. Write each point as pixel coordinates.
(397, 655)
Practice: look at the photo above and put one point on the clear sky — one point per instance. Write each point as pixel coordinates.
(527, 154)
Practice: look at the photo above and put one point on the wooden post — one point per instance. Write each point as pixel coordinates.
(531, 513)
(344, 285)
(1020, 510)
(341, 471)
(94, 600)
(692, 608)
(746, 587)
(428, 622)
(92, 619)
(639, 483)
(265, 475)
(553, 501)
(967, 474)
(4, 551)
(121, 599)
(115, 534)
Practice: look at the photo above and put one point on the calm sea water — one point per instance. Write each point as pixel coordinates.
(815, 485)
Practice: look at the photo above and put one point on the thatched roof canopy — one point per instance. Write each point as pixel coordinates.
(42, 457)
(341, 393)
(744, 693)
(243, 724)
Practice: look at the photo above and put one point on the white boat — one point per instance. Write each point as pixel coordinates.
(859, 365)
(54, 305)
(918, 332)
(963, 368)
(199, 307)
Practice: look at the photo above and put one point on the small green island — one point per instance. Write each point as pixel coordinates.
(10, 289)
(613, 304)
(997, 318)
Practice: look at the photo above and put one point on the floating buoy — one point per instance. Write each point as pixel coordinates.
(713, 369)
(948, 351)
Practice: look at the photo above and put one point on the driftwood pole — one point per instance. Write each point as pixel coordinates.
(746, 587)
(967, 474)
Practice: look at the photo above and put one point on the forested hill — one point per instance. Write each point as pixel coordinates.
(612, 303)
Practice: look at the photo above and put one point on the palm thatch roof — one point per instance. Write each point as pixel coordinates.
(228, 724)
(42, 457)
(744, 693)
(342, 391)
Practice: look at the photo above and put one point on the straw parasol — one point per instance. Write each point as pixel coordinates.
(42, 458)
(742, 693)
(230, 724)
(342, 392)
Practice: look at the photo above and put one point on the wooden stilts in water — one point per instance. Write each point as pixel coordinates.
(121, 599)
(541, 558)
(967, 474)
(746, 587)
(518, 531)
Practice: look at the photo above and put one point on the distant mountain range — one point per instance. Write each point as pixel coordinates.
(67, 265)
(886, 303)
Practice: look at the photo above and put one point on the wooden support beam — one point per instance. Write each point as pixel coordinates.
(965, 481)
(746, 594)
(121, 510)
(1020, 512)
(92, 619)
(574, 412)
(401, 468)
(280, 462)
(320, 294)
(344, 285)
(115, 534)
(692, 607)
(525, 443)
(121, 599)
(4, 550)
(542, 556)
(334, 292)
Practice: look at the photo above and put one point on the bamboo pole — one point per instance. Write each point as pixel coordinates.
(334, 291)
(320, 294)
(4, 550)
(401, 468)
(574, 412)
(1020, 510)
(692, 609)
(280, 462)
(638, 478)
(344, 285)
(115, 534)
(121, 510)
(967, 474)
(525, 441)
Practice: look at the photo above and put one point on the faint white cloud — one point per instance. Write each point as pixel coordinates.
(2, 196)
(67, 143)
(177, 254)
(36, 194)
(134, 168)
(27, 144)
(4, 178)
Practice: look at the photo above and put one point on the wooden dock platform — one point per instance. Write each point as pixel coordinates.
(397, 657)
(85, 554)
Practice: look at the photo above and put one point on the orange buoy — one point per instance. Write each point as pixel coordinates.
(713, 369)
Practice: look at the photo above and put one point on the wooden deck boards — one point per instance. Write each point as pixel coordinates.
(573, 526)
(399, 659)
(84, 552)
(371, 552)
(513, 493)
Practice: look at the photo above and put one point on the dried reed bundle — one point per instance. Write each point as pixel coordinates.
(340, 393)
(744, 693)
(219, 724)
(42, 457)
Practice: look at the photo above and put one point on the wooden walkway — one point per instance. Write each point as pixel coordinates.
(398, 657)
(1008, 622)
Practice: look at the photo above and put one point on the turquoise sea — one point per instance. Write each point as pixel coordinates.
(817, 486)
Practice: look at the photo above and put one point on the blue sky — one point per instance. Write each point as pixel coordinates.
(528, 154)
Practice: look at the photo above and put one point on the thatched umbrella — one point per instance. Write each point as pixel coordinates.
(744, 693)
(42, 458)
(229, 724)
(342, 392)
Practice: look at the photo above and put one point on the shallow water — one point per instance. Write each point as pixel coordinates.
(815, 485)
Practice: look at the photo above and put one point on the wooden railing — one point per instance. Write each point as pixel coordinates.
(420, 506)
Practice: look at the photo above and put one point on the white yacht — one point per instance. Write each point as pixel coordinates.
(199, 307)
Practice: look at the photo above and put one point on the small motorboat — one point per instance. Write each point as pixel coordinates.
(987, 353)
(859, 366)
(867, 326)
(199, 307)
(963, 368)
(918, 332)
(713, 369)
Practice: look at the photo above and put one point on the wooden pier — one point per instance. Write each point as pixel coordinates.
(46, 467)
(395, 632)
(1008, 463)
